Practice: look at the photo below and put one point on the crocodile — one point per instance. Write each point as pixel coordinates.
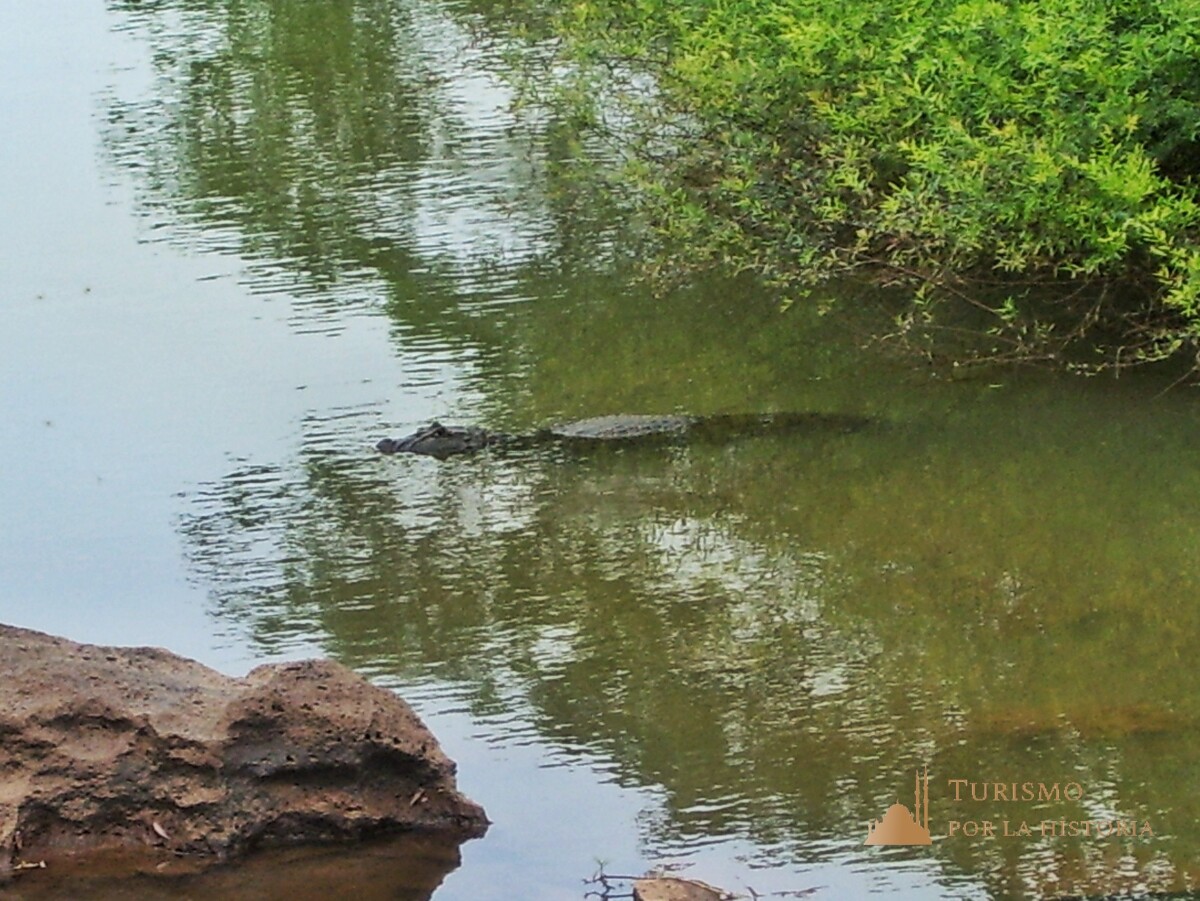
(440, 441)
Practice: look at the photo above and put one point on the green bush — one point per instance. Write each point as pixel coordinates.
(968, 149)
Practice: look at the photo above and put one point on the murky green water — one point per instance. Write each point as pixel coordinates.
(243, 241)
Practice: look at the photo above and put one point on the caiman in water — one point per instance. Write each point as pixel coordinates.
(437, 440)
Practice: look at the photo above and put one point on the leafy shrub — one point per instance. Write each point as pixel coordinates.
(969, 149)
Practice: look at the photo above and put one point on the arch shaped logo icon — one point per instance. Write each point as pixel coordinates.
(899, 825)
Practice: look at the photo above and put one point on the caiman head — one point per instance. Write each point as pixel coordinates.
(437, 440)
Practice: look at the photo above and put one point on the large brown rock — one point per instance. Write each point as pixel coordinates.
(120, 749)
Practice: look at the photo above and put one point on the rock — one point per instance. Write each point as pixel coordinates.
(672, 888)
(137, 749)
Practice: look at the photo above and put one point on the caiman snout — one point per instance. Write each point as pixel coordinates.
(436, 440)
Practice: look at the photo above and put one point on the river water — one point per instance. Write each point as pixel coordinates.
(243, 241)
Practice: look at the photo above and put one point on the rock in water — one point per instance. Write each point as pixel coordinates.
(673, 888)
(137, 749)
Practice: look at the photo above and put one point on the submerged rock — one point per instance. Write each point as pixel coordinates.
(673, 888)
(108, 749)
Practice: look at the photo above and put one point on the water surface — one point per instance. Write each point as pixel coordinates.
(243, 241)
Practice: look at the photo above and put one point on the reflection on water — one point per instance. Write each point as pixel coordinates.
(733, 654)
(409, 868)
(768, 631)
(349, 153)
